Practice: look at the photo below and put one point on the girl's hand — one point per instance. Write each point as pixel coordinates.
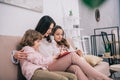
(79, 52)
(20, 55)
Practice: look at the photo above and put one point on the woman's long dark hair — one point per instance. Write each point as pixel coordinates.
(63, 41)
(43, 25)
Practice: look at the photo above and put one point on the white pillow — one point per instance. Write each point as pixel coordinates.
(92, 60)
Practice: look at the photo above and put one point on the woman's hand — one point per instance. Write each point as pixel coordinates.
(79, 52)
(20, 55)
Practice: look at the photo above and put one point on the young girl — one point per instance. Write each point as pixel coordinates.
(62, 43)
(83, 70)
(35, 62)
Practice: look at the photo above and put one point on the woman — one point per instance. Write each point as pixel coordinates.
(72, 59)
(35, 62)
(45, 26)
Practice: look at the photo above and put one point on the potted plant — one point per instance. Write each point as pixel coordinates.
(107, 44)
(107, 50)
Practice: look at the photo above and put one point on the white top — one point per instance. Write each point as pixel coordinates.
(46, 48)
(15, 61)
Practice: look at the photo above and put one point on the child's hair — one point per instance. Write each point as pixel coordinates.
(63, 41)
(29, 37)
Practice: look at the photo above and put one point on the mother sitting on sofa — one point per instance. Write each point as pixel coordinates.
(46, 49)
(44, 26)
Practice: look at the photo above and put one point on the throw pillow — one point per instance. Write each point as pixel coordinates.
(92, 60)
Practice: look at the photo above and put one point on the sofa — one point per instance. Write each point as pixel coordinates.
(8, 70)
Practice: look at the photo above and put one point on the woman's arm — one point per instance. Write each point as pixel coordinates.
(14, 60)
(18, 55)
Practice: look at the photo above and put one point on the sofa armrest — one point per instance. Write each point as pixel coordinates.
(8, 70)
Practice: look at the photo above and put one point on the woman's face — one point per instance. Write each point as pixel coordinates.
(49, 30)
(58, 35)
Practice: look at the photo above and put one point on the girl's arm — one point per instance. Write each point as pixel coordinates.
(79, 52)
(35, 57)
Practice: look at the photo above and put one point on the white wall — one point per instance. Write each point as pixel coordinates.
(15, 21)
(109, 16)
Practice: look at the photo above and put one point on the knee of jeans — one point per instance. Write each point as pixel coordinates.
(63, 78)
(72, 77)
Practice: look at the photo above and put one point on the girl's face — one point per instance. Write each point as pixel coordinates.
(58, 35)
(49, 30)
(36, 44)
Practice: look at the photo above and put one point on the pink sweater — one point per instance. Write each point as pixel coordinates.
(34, 61)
